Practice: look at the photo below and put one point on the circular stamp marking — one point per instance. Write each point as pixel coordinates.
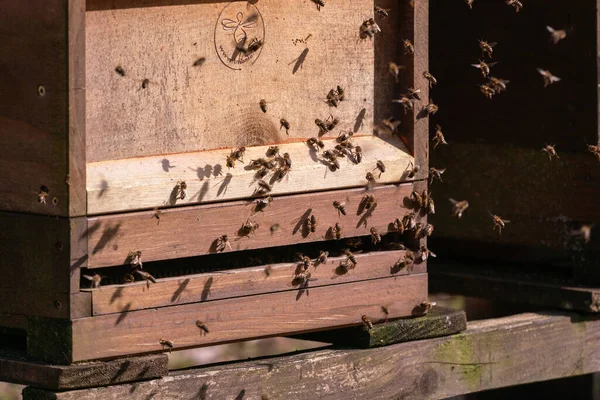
(240, 26)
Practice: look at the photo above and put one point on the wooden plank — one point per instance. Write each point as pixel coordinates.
(15, 367)
(238, 283)
(290, 312)
(492, 283)
(124, 120)
(491, 354)
(192, 231)
(142, 183)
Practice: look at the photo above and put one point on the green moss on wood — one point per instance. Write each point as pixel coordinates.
(458, 350)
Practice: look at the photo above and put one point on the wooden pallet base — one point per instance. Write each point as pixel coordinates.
(438, 322)
(489, 354)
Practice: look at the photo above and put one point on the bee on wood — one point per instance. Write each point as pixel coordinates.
(340, 207)
(429, 109)
(259, 163)
(94, 279)
(470, 3)
(350, 257)
(135, 259)
(368, 202)
(344, 136)
(370, 180)
(395, 69)
(414, 93)
(319, 3)
(484, 67)
(285, 124)
(380, 167)
(409, 48)
(341, 93)
(315, 143)
(263, 105)
(199, 62)
(261, 204)
(119, 70)
(556, 35)
(222, 243)
(407, 103)
(202, 326)
(249, 227)
(422, 308)
(430, 78)
(398, 225)
(43, 194)
(499, 85)
(459, 207)
(157, 214)
(263, 187)
(305, 261)
(549, 149)
(595, 150)
(422, 231)
(417, 200)
(438, 137)
(332, 98)
(323, 255)
(499, 223)
(408, 262)
(286, 160)
(516, 4)
(342, 149)
(166, 343)
(181, 190)
(409, 221)
(549, 79)
(332, 122)
(367, 324)
(335, 231)
(435, 173)
(145, 275)
(268, 270)
(272, 151)
(383, 13)
(487, 48)
(145, 83)
(487, 91)
(375, 236)
(425, 253)
(302, 279)
(322, 125)
(358, 154)
(412, 170)
(332, 158)
(311, 224)
(128, 278)
(261, 173)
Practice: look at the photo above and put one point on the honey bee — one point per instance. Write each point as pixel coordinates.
(166, 343)
(145, 275)
(516, 4)
(407, 103)
(556, 35)
(321, 124)
(383, 13)
(367, 324)
(422, 231)
(487, 91)
(263, 105)
(305, 261)
(43, 194)
(417, 200)
(332, 158)
(272, 151)
(332, 122)
(94, 279)
(249, 227)
(263, 187)
(585, 231)
(423, 307)
(429, 109)
(128, 278)
(499, 85)
(412, 170)
(548, 77)
(259, 163)
(199, 62)
(181, 190)
(398, 225)
(484, 67)
(135, 259)
(414, 93)
(261, 173)
(370, 179)
(391, 124)
(549, 149)
(285, 124)
(409, 48)
(408, 262)
(595, 150)
(425, 253)
(368, 202)
(119, 70)
(202, 326)
(157, 214)
(470, 3)
(302, 279)
(395, 69)
(430, 78)
(222, 243)
(287, 160)
(499, 223)
(435, 173)
(319, 3)
(323, 255)
(358, 154)
(344, 136)
(341, 93)
(487, 48)
(459, 207)
(409, 221)
(336, 231)
(438, 138)
(369, 28)
(375, 236)
(350, 257)
(332, 98)
(342, 150)
(380, 166)
(314, 143)
(430, 205)
(340, 207)
(311, 224)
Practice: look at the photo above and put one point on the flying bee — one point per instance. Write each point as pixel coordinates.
(425, 253)
(369, 28)
(435, 173)
(548, 77)
(411, 170)
(556, 35)
(263, 105)
(94, 279)
(499, 223)
(181, 190)
(335, 231)
(272, 151)
(417, 200)
(423, 308)
(487, 48)
(285, 124)
(332, 122)
(487, 91)
(429, 109)
(358, 154)
(398, 225)
(368, 202)
(367, 324)
(383, 13)
(391, 124)
(263, 187)
(395, 69)
(409, 48)
(470, 3)
(595, 150)
(43, 194)
(166, 343)
(305, 261)
(409, 221)
(516, 4)
(438, 137)
(375, 236)
(499, 85)
(202, 326)
(135, 259)
(414, 93)
(319, 3)
(408, 262)
(549, 149)
(249, 227)
(459, 207)
(340, 207)
(407, 103)
(344, 136)
(585, 232)
(322, 259)
(222, 243)
(350, 257)
(311, 224)
(430, 205)
(145, 275)
(321, 124)
(484, 67)
(430, 78)
(315, 143)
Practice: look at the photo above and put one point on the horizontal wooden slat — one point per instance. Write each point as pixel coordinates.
(251, 317)
(186, 232)
(490, 354)
(239, 282)
(148, 182)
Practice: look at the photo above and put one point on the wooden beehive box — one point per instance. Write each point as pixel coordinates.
(107, 105)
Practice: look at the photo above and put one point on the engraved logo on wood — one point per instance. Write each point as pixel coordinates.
(239, 29)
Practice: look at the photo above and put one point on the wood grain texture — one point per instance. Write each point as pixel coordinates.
(15, 367)
(492, 283)
(186, 232)
(489, 354)
(290, 312)
(239, 282)
(187, 108)
(143, 182)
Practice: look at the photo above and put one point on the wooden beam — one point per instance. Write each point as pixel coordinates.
(294, 311)
(489, 354)
(15, 367)
(240, 282)
(491, 283)
(193, 231)
(139, 183)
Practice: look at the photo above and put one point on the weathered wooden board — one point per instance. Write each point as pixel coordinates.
(15, 367)
(492, 283)
(186, 232)
(294, 311)
(240, 282)
(189, 108)
(490, 354)
(151, 181)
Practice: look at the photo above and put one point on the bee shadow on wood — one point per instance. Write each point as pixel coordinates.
(422, 114)
(299, 61)
(360, 120)
(408, 203)
(180, 290)
(224, 184)
(166, 164)
(312, 152)
(103, 188)
(123, 314)
(173, 196)
(202, 392)
(241, 395)
(302, 222)
(202, 173)
(206, 289)
(107, 236)
(117, 294)
(366, 216)
(124, 367)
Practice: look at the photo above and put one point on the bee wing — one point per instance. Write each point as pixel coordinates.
(554, 78)
(493, 44)
(88, 277)
(492, 63)
(550, 29)
(505, 221)
(541, 71)
(476, 65)
(454, 202)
